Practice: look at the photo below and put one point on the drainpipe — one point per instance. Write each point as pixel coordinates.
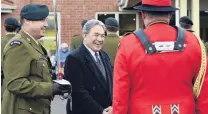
(183, 8)
(195, 5)
(177, 13)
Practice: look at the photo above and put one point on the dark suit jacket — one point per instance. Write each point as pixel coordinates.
(91, 93)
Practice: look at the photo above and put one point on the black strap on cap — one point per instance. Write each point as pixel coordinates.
(145, 42)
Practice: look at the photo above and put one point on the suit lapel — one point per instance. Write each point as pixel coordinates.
(90, 63)
(108, 70)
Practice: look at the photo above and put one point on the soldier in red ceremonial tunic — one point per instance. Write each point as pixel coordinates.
(156, 68)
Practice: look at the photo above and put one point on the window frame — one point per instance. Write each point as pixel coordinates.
(117, 16)
(59, 27)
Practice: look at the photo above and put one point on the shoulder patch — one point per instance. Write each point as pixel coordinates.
(15, 42)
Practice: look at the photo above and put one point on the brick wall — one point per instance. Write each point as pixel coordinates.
(15, 12)
(72, 13)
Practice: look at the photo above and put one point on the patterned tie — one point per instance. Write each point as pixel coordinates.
(100, 65)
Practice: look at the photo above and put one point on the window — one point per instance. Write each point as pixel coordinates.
(49, 41)
(102, 17)
(204, 25)
(128, 21)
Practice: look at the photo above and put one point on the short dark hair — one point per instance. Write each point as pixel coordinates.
(83, 23)
(186, 20)
(21, 21)
(11, 28)
(156, 13)
(111, 28)
(127, 33)
(185, 26)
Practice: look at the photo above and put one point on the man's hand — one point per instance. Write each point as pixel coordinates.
(109, 110)
(60, 89)
(104, 112)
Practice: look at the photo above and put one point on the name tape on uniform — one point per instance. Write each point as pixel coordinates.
(165, 46)
(15, 42)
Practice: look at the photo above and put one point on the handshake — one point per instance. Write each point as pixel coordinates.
(108, 110)
(60, 87)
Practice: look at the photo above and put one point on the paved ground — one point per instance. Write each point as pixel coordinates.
(58, 106)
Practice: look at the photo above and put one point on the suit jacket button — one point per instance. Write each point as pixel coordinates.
(93, 88)
(30, 108)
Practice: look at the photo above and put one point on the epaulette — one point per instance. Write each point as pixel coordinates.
(13, 42)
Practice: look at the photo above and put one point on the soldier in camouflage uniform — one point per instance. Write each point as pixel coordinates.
(77, 39)
(12, 26)
(26, 67)
(112, 39)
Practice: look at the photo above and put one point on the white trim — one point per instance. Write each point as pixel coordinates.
(6, 11)
(126, 4)
(48, 38)
(189, 13)
(96, 13)
(137, 21)
(59, 29)
(177, 13)
(127, 10)
(117, 16)
(59, 25)
(7, 8)
(120, 9)
(123, 3)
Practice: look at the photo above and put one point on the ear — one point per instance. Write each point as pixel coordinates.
(27, 21)
(143, 15)
(170, 15)
(83, 35)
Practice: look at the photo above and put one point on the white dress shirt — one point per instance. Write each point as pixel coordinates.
(93, 53)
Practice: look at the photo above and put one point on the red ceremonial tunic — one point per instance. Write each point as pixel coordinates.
(159, 83)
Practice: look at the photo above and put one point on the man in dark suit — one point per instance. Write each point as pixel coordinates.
(89, 70)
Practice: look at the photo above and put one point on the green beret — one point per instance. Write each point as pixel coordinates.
(34, 12)
(12, 21)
